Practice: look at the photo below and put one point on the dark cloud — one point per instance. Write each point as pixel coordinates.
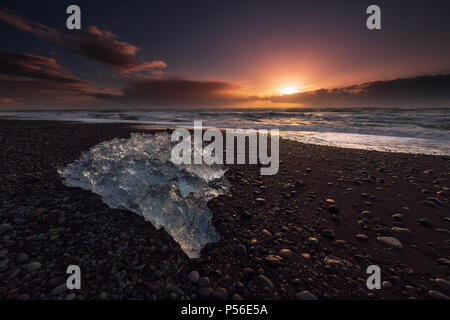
(178, 93)
(93, 43)
(28, 80)
(423, 91)
(100, 45)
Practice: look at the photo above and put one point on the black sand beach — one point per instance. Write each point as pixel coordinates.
(293, 245)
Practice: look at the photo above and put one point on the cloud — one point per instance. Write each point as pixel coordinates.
(35, 28)
(100, 45)
(422, 91)
(28, 80)
(93, 43)
(178, 93)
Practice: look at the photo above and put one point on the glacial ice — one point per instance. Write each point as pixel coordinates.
(137, 174)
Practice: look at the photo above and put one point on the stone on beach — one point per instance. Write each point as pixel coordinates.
(390, 242)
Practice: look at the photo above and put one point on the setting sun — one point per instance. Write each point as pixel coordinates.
(288, 90)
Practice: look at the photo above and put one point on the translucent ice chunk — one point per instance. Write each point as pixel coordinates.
(137, 174)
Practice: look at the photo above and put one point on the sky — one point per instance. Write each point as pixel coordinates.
(219, 54)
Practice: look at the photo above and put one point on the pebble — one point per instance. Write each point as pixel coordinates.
(33, 266)
(193, 276)
(71, 296)
(266, 282)
(443, 284)
(305, 295)
(362, 237)
(220, 293)
(260, 201)
(3, 264)
(436, 295)
(205, 292)
(4, 227)
(443, 261)
(390, 242)
(273, 259)
(402, 231)
(332, 260)
(204, 282)
(286, 253)
(313, 241)
(241, 250)
(397, 216)
(249, 273)
(328, 233)
(367, 213)
(333, 209)
(425, 222)
(22, 257)
(236, 296)
(59, 289)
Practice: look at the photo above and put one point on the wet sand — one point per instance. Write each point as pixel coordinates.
(293, 244)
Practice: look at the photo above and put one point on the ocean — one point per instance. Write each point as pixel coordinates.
(420, 131)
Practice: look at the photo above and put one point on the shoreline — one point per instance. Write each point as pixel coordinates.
(146, 126)
(265, 251)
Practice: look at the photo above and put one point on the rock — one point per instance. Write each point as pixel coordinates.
(390, 242)
(59, 289)
(248, 273)
(5, 227)
(305, 295)
(313, 242)
(333, 208)
(386, 284)
(396, 281)
(266, 233)
(328, 233)
(241, 250)
(443, 261)
(4, 264)
(193, 276)
(220, 293)
(397, 217)
(436, 295)
(164, 248)
(236, 296)
(22, 257)
(443, 284)
(425, 222)
(402, 231)
(332, 260)
(70, 296)
(286, 253)
(204, 282)
(205, 292)
(367, 213)
(266, 282)
(260, 201)
(172, 296)
(441, 230)
(33, 266)
(273, 259)
(331, 201)
(362, 237)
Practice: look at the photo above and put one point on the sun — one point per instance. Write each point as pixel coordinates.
(288, 90)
